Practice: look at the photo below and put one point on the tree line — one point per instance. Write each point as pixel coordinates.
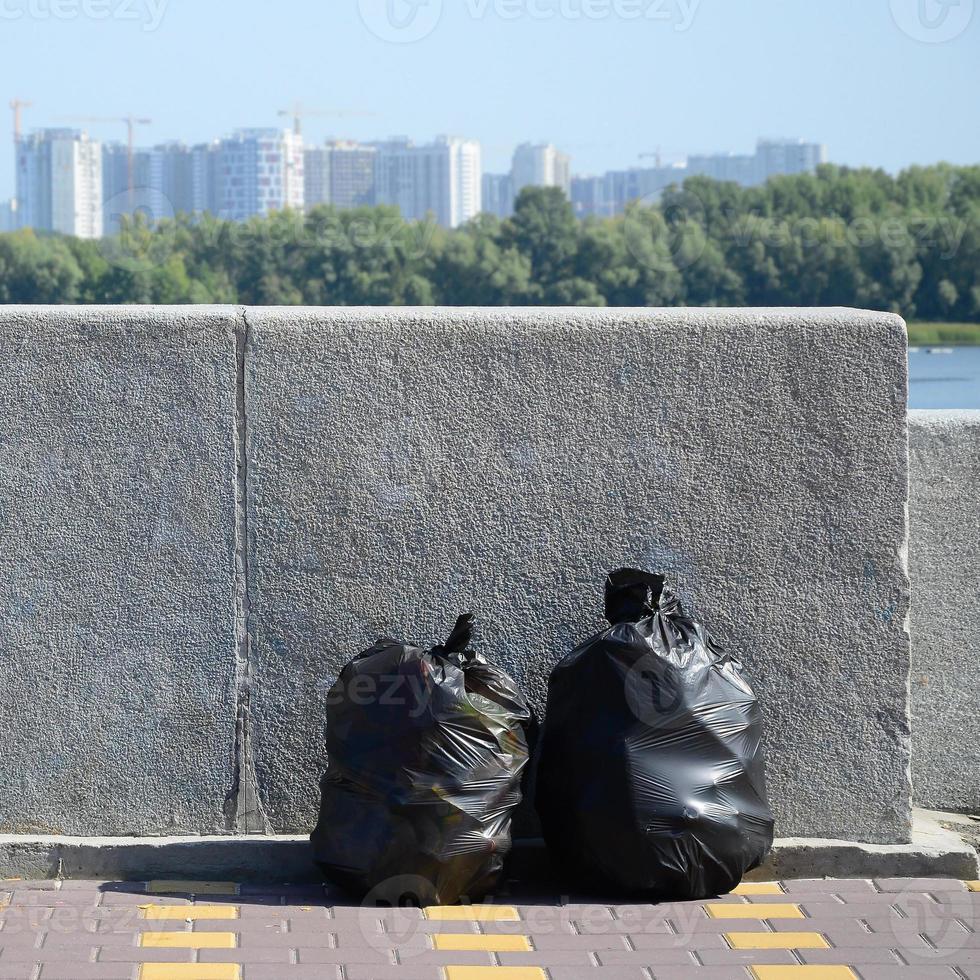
(857, 237)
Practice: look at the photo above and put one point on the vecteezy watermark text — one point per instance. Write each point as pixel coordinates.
(405, 21)
(680, 13)
(148, 13)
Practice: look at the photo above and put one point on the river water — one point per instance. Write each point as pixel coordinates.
(944, 377)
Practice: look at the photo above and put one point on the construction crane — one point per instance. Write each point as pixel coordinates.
(131, 122)
(656, 155)
(19, 105)
(299, 112)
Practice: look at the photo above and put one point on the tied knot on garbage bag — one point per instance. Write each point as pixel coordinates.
(651, 778)
(426, 751)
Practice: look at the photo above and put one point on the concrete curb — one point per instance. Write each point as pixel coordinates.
(933, 853)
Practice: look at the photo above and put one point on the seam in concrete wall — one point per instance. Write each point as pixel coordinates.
(243, 808)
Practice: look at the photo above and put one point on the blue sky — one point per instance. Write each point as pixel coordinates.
(881, 82)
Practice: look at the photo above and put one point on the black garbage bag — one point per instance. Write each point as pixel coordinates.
(426, 751)
(651, 775)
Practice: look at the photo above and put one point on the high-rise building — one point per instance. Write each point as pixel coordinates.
(162, 181)
(7, 216)
(738, 168)
(260, 171)
(172, 176)
(442, 179)
(341, 173)
(316, 176)
(59, 183)
(589, 197)
(115, 174)
(352, 174)
(498, 195)
(540, 165)
(772, 158)
(206, 179)
(776, 157)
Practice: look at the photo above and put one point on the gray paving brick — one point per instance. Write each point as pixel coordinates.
(664, 957)
(599, 973)
(700, 973)
(86, 971)
(871, 905)
(702, 940)
(558, 957)
(829, 886)
(114, 899)
(259, 971)
(697, 927)
(56, 899)
(139, 954)
(84, 937)
(948, 939)
(260, 913)
(920, 885)
(745, 957)
(18, 971)
(853, 937)
(308, 955)
(357, 971)
(262, 954)
(445, 957)
(24, 917)
(877, 972)
(851, 957)
(549, 942)
(291, 894)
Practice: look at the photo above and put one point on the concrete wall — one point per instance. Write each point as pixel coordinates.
(945, 561)
(118, 621)
(206, 512)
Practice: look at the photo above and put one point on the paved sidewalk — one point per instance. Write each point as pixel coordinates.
(811, 930)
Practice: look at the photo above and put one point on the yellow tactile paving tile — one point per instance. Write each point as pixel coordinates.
(161, 887)
(494, 973)
(189, 912)
(776, 940)
(755, 910)
(472, 913)
(974, 886)
(190, 971)
(758, 888)
(488, 944)
(803, 973)
(188, 940)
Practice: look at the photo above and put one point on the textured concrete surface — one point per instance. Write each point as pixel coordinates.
(934, 852)
(944, 510)
(858, 929)
(118, 600)
(406, 465)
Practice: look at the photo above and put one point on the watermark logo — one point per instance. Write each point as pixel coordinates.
(401, 21)
(932, 926)
(932, 21)
(391, 914)
(655, 693)
(138, 229)
(666, 234)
